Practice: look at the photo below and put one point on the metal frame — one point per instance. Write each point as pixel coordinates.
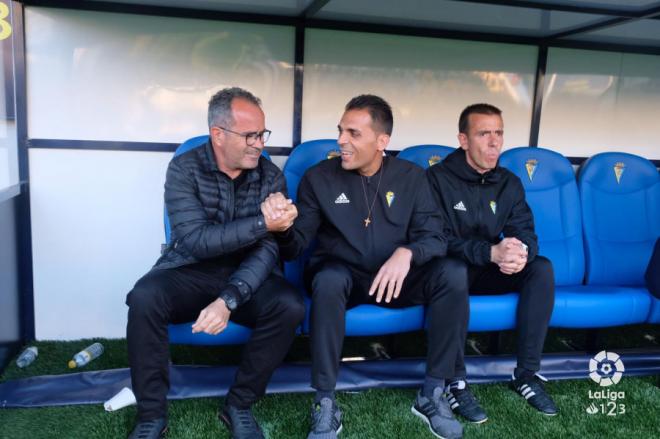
(302, 22)
(559, 7)
(23, 216)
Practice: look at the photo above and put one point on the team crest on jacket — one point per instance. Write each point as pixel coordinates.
(434, 159)
(389, 196)
(333, 153)
(531, 165)
(619, 167)
(493, 207)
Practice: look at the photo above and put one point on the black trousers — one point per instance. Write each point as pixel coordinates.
(336, 287)
(536, 285)
(177, 296)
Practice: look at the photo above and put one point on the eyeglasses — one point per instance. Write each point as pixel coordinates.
(251, 138)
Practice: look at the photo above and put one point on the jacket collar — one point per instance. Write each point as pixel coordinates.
(210, 165)
(457, 164)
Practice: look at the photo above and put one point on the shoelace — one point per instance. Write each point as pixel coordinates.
(464, 397)
(145, 429)
(441, 405)
(246, 419)
(323, 417)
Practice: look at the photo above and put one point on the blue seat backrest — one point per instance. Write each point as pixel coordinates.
(552, 194)
(621, 214)
(186, 146)
(425, 155)
(304, 156)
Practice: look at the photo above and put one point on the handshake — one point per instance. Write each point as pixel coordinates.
(279, 212)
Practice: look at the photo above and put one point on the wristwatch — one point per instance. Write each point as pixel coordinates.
(230, 301)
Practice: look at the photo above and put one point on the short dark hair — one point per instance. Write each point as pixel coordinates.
(219, 113)
(379, 110)
(475, 109)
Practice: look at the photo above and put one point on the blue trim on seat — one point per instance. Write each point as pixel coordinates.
(233, 334)
(425, 155)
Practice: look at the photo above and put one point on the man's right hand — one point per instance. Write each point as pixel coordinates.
(510, 255)
(279, 212)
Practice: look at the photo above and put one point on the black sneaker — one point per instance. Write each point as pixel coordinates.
(531, 388)
(241, 423)
(154, 429)
(437, 415)
(326, 420)
(462, 402)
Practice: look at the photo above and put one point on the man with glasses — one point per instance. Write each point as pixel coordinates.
(380, 242)
(221, 264)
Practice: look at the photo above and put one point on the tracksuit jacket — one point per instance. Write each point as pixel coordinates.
(215, 217)
(480, 209)
(332, 207)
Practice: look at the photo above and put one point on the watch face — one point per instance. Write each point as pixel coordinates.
(231, 303)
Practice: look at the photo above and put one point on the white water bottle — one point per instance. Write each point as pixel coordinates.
(86, 355)
(27, 357)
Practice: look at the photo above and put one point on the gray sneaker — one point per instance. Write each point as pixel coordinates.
(326, 420)
(437, 415)
(241, 423)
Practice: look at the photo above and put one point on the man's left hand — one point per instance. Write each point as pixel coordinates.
(515, 257)
(212, 319)
(391, 275)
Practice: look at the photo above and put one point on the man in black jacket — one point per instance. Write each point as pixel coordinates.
(492, 233)
(221, 264)
(380, 242)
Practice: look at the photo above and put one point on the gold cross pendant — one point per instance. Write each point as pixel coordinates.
(367, 221)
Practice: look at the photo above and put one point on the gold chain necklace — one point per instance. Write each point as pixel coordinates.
(367, 220)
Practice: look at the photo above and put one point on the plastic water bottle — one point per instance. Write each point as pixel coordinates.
(86, 355)
(27, 357)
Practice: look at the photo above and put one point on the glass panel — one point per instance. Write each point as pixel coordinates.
(600, 101)
(427, 81)
(142, 78)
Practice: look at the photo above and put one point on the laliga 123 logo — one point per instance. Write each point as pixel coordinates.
(606, 368)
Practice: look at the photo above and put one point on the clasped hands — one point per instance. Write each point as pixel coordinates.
(510, 255)
(279, 212)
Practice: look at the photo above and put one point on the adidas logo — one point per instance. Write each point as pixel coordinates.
(460, 206)
(342, 199)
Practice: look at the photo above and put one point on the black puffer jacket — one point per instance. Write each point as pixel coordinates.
(481, 209)
(211, 218)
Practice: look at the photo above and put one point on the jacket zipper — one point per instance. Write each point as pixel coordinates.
(231, 200)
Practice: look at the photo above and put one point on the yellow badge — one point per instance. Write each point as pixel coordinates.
(389, 196)
(619, 167)
(334, 153)
(530, 165)
(493, 206)
(434, 159)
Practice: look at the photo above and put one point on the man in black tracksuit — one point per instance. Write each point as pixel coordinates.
(380, 242)
(492, 233)
(221, 264)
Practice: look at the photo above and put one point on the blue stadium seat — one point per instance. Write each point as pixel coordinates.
(621, 214)
(425, 155)
(363, 319)
(552, 194)
(182, 333)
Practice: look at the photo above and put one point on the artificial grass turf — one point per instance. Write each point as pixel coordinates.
(382, 413)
